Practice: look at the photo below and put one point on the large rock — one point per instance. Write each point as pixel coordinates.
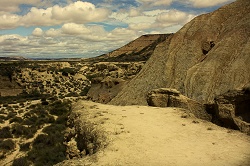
(232, 110)
(165, 97)
(206, 58)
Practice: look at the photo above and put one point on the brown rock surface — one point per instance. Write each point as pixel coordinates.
(165, 97)
(139, 49)
(180, 62)
(232, 110)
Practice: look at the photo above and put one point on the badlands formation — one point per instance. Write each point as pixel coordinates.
(161, 101)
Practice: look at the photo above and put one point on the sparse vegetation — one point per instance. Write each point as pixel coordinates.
(7, 145)
(5, 132)
(48, 84)
(22, 161)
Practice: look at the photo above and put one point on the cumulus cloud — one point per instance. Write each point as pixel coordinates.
(67, 41)
(37, 32)
(133, 12)
(13, 5)
(173, 17)
(9, 21)
(140, 26)
(155, 2)
(52, 32)
(78, 12)
(74, 29)
(207, 3)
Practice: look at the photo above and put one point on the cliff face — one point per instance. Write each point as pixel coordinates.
(207, 57)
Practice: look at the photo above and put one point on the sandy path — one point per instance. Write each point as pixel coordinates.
(160, 136)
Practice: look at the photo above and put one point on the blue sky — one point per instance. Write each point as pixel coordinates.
(71, 28)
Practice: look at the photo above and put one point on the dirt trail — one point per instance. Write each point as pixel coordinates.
(142, 135)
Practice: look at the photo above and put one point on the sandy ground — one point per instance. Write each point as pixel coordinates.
(151, 136)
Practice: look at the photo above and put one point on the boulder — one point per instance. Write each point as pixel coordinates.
(232, 110)
(166, 97)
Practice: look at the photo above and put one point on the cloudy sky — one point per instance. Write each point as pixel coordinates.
(71, 28)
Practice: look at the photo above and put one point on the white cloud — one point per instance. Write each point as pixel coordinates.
(173, 17)
(52, 32)
(74, 29)
(141, 26)
(133, 12)
(38, 17)
(78, 12)
(69, 40)
(206, 3)
(8, 21)
(155, 2)
(37, 32)
(13, 5)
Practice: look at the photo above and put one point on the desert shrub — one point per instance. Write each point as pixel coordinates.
(2, 119)
(5, 105)
(30, 120)
(85, 91)
(66, 71)
(47, 150)
(7, 144)
(22, 161)
(16, 119)
(55, 129)
(20, 130)
(72, 94)
(21, 104)
(11, 115)
(5, 132)
(59, 108)
(90, 138)
(45, 102)
(25, 146)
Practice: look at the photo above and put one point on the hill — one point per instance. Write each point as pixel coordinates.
(139, 49)
(207, 57)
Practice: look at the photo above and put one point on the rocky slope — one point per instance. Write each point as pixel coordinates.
(139, 49)
(207, 57)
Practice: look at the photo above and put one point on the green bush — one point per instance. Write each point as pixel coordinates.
(5, 132)
(23, 131)
(59, 108)
(16, 119)
(7, 145)
(25, 146)
(47, 150)
(72, 94)
(90, 138)
(22, 161)
(2, 119)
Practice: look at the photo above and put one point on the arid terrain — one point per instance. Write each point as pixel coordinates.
(164, 99)
(142, 135)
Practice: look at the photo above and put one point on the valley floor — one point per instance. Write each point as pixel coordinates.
(141, 135)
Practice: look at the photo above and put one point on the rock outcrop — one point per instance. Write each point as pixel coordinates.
(165, 97)
(206, 58)
(232, 110)
(108, 79)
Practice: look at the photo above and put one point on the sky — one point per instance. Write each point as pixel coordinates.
(82, 29)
